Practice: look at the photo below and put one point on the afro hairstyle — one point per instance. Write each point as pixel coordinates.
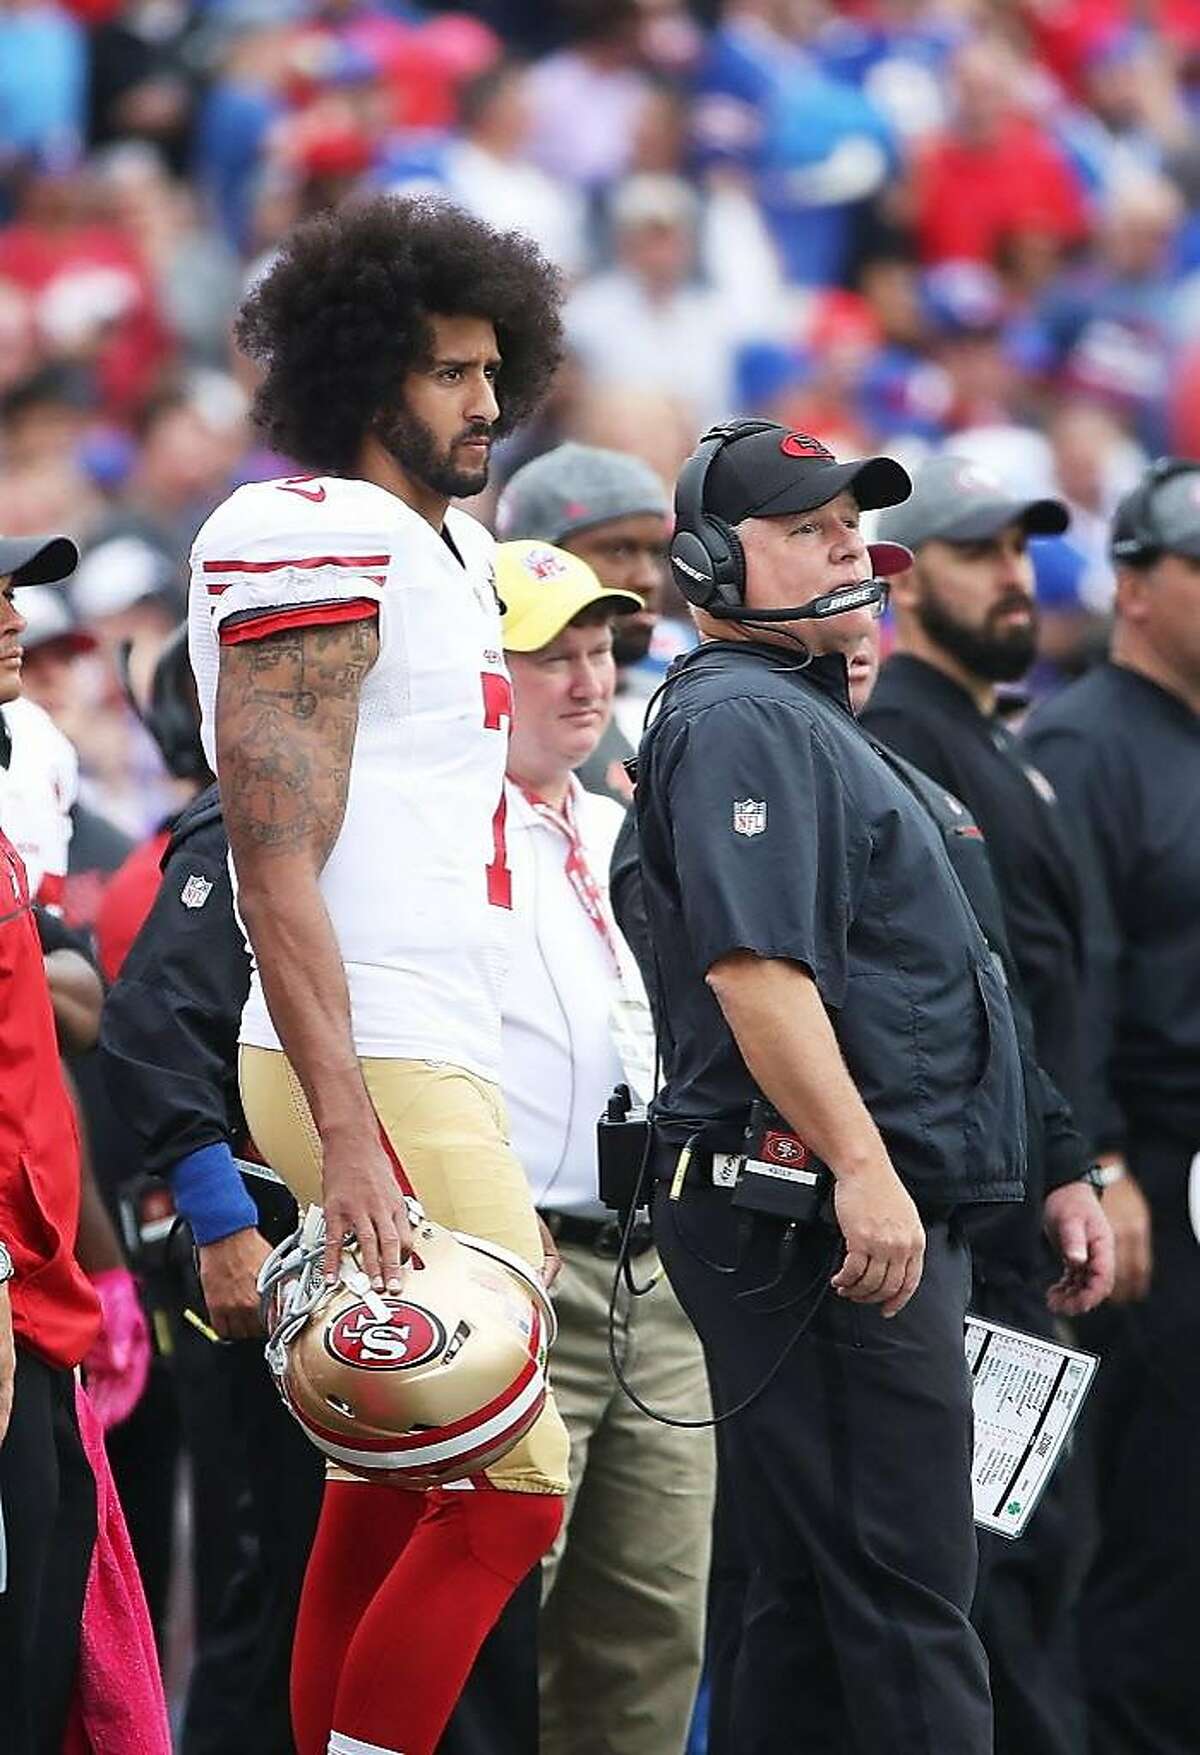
(342, 316)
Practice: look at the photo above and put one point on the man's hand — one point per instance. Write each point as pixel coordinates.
(229, 1277)
(77, 996)
(8, 1361)
(1081, 1234)
(885, 1240)
(361, 1194)
(551, 1259)
(1129, 1216)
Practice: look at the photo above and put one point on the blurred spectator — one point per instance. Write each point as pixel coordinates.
(967, 313)
(43, 72)
(1108, 323)
(1095, 463)
(588, 99)
(93, 298)
(815, 147)
(994, 174)
(44, 416)
(192, 435)
(196, 275)
(627, 417)
(488, 172)
(248, 54)
(646, 321)
(18, 337)
(141, 83)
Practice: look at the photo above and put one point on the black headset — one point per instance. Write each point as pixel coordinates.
(1142, 541)
(706, 553)
(171, 714)
(707, 559)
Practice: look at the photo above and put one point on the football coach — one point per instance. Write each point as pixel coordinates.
(823, 981)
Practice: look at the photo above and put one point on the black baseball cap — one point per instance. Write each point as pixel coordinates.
(37, 560)
(1161, 515)
(773, 470)
(956, 500)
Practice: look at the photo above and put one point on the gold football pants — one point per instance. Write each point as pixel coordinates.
(449, 1130)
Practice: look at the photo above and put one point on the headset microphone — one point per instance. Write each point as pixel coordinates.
(706, 554)
(870, 593)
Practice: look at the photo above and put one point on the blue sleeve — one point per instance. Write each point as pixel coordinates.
(210, 1194)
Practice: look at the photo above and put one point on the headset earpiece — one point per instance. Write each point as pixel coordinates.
(1144, 543)
(706, 555)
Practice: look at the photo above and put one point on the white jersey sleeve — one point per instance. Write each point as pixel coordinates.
(37, 791)
(292, 553)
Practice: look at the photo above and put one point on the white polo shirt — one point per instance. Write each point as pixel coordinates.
(559, 1060)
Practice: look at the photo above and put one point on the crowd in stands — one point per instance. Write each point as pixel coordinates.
(889, 222)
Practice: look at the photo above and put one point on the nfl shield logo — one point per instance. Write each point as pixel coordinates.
(749, 816)
(195, 892)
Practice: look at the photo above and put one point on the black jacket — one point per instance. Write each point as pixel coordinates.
(1124, 757)
(926, 717)
(168, 1036)
(769, 823)
(1006, 1239)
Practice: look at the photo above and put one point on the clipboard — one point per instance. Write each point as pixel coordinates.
(1027, 1395)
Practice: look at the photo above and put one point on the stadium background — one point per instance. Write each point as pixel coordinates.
(898, 224)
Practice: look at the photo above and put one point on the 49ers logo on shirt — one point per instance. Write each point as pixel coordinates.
(409, 1336)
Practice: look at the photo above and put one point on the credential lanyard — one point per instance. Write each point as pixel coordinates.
(629, 1013)
(579, 874)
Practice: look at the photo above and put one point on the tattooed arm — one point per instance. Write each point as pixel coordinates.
(287, 710)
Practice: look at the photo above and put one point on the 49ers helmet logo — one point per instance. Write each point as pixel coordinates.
(410, 1336)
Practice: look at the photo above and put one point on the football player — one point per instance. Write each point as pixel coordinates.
(345, 635)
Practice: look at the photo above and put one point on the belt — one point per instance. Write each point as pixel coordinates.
(601, 1236)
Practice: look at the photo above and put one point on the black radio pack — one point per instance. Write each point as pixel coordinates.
(622, 1144)
(777, 1173)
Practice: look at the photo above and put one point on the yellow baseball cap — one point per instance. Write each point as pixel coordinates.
(543, 588)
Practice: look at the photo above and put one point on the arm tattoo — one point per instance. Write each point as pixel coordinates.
(287, 712)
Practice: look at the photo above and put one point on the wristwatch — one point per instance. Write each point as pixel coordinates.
(6, 1265)
(1102, 1176)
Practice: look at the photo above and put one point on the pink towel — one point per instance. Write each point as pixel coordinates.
(119, 1707)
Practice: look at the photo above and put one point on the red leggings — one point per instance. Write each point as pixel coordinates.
(401, 1591)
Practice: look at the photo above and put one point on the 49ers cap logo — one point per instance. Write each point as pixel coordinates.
(410, 1336)
(801, 445)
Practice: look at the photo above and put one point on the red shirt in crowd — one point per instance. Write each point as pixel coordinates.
(128, 898)
(55, 1310)
(972, 196)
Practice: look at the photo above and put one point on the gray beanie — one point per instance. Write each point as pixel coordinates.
(573, 488)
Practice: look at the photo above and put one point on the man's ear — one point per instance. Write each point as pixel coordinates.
(904, 590)
(1131, 598)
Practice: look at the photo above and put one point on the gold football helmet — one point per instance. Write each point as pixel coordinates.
(419, 1389)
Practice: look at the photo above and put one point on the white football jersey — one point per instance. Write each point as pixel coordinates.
(37, 790)
(417, 886)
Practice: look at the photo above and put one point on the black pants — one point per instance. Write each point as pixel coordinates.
(238, 1696)
(1141, 1665)
(1027, 1600)
(849, 1480)
(186, 1411)
(48, 1496)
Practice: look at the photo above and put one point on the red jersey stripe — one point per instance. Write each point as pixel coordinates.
(355, 561)
(313, 615)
